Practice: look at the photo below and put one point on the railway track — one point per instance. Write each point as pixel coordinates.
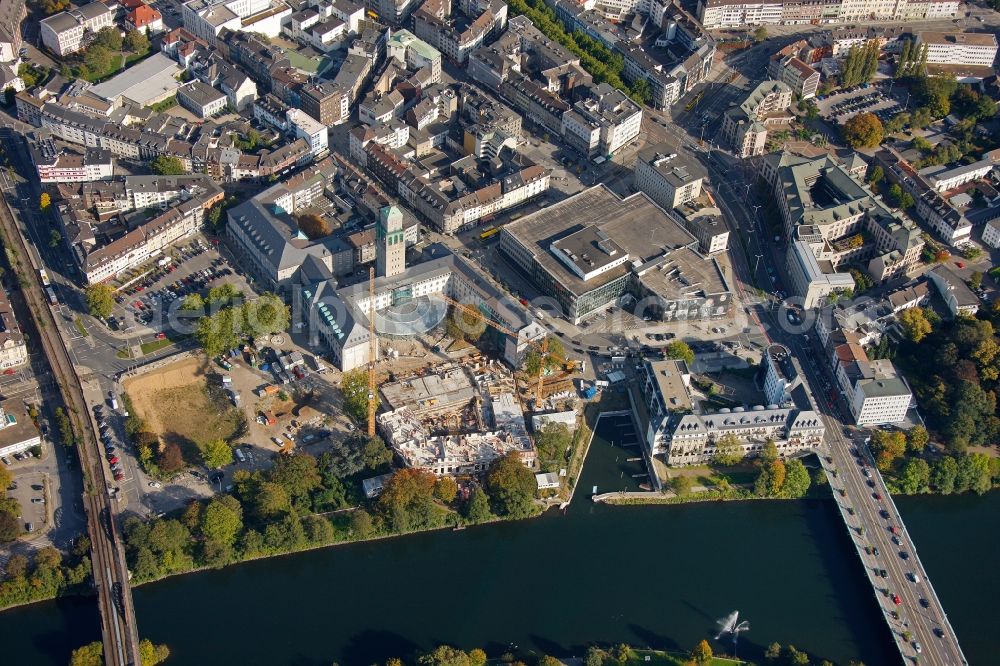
(118, 625)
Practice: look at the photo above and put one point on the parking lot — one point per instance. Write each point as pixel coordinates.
(867, 98)
(146, 297)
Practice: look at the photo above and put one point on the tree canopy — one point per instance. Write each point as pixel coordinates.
(511, 487)
(680, 350)
(863, 131)
(100, 300)
(166, 165)
(354, 386)
(313, 226)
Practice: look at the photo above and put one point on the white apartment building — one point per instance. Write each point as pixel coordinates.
(405, 47)
(959, 48)
(13, 350)
(991, 233)
(308, 128)
(602, 124)
(201, 99)
(64, 33)
(715, 14)
(667, 178)
(56, 164)
(18, 432)
(744, 127)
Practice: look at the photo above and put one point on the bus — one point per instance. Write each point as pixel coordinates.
(489, 232)
(52, 295)
(44, 277)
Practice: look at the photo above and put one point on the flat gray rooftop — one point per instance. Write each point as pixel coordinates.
(635, 224)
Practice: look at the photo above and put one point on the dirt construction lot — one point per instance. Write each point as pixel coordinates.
(183, 402)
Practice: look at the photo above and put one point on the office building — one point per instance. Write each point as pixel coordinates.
(67, 32)
(602, 123)
(201, 99)
(669, 178)
(745, 126)
(682, 431)
(593, 248)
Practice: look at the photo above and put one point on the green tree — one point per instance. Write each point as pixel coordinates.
(771, 479)
(222, 520)
(702, 653)
(217, 332)
(760, 34)
(511, 487)
(477, 657)
(5, 479)
(974, 474)
(594, 656)
(407, 500)
(271, 501)
(109, 38)
(151, 655)
(917, 439)
(795, 657)
(943, 475)
(770, 451)
(136, 42)
(773, 652)
(915, 324)
(446, 489)
(863, 131)
(361, 524)
(99, 60)
(299, 475)
(264, 316)
(10, 527)
(679, 350)
(547, 660)
(682, 485)
(477, 508)
(876, 176)
(641, 92)
(354, 386)
(797, 479)
(915, 476)
(91, 654)
(100, 300)
(217, 453)
(166, 165)
(728, 451)
(888, 447)
(445, 655)
(975, 280)
(552, 443)
(44, 201)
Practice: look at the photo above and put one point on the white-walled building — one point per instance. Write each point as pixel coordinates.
(18, 432)
(668, 178)
(13, 350)
(201, 99)
(308, 128)
(57, 164)
(991, 233)
(603, 123)
(959, 48)
(65, 32)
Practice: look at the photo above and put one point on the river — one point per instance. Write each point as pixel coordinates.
(656, 575)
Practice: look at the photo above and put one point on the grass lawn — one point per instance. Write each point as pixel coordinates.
(155, 345)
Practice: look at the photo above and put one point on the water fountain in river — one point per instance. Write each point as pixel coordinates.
(731, 625)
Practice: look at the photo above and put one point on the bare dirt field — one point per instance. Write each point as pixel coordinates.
(182, 402)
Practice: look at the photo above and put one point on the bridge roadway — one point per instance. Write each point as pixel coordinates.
(110, 573)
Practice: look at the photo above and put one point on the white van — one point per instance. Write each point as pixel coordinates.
(239, 454)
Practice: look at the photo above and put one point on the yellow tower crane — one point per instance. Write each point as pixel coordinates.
(544, 344)
(372, 352)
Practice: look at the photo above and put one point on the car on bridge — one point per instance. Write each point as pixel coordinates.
(896, 600)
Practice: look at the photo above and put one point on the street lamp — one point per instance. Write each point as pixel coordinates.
(757, 263)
